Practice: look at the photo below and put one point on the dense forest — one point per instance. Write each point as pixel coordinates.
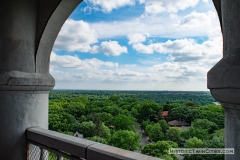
(117, 118)
(160, 97)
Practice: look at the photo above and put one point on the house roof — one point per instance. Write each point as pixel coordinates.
(178, 123)
(165, 113)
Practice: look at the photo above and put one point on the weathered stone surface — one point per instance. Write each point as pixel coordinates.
(28, 29)
(102, 151)
(224, 77)
(18, 111)
(232, 127)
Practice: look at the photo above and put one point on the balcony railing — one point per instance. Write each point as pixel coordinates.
(49, 145)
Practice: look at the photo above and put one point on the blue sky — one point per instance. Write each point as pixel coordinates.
(137, 45)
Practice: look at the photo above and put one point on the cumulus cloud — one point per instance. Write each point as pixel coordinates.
(76, 36)
(79, 36)
(107, 5)
(173, 6)
(136, 38)
(172, 25)
(196, 20)
(112, 48)
(186, 49)
(141, 48)
(68, 69)
(74, 62)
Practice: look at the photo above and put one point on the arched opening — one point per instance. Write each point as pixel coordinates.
(157, 46)
(126, 45)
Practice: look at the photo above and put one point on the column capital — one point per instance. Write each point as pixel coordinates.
(22, 81)
(224, 79)
(231, 106)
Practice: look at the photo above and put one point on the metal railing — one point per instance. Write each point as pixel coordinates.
(49, 145)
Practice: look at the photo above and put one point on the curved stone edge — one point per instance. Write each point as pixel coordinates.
(227, 95)
(226, 73)
(22, 81)
(231, 106)
(50, 33)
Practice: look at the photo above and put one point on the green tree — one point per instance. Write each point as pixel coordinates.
(185, 134)
(160, 149)
(185, 113)
(87, 129)
(154, 132)
(205, 124)
(194, 143)
(104, 132)
(123, 122)
(125, 139)
(164, 125)
(173, 134)
(149, 108)
(98, 139)
(61, 122)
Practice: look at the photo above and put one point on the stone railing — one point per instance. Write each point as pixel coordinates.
(49, 145)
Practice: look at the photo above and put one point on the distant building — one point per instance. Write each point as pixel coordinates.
(111, 127)
(176, 123)
(77, 134)
(164, 114)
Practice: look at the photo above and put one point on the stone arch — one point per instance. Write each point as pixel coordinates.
(48, 32)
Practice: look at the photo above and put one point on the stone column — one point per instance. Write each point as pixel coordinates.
(23, 92)
(28, 29)
(224, 77)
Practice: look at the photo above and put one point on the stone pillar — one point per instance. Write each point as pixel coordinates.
(28, 29)
(224, 77)
(23, 92)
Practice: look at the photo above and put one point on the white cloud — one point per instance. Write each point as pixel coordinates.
(196, 20)
(141, 48)
(172, 25)
(79, 36)
(136, 38)
(74, 62)
(108, 5)
(172, 6)
(75, 36)
(182, 50)
(112, 48)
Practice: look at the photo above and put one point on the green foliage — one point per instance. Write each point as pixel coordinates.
(126, 140)
(194, 143)
(173, 134)
(161, 97)
(61, 122)
(202, 128)
(204, 124)
(154, 131)
(190, 104)
(149, 108)
(145, 123)
(185, 113)
(123, 122)
(87, 129)
(93, 112)
(98, 139)
(164, 125)
(216, 140)
(160, 149)
(185, 134)
(103, 131)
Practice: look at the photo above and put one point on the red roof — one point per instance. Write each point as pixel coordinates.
(165, 113)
